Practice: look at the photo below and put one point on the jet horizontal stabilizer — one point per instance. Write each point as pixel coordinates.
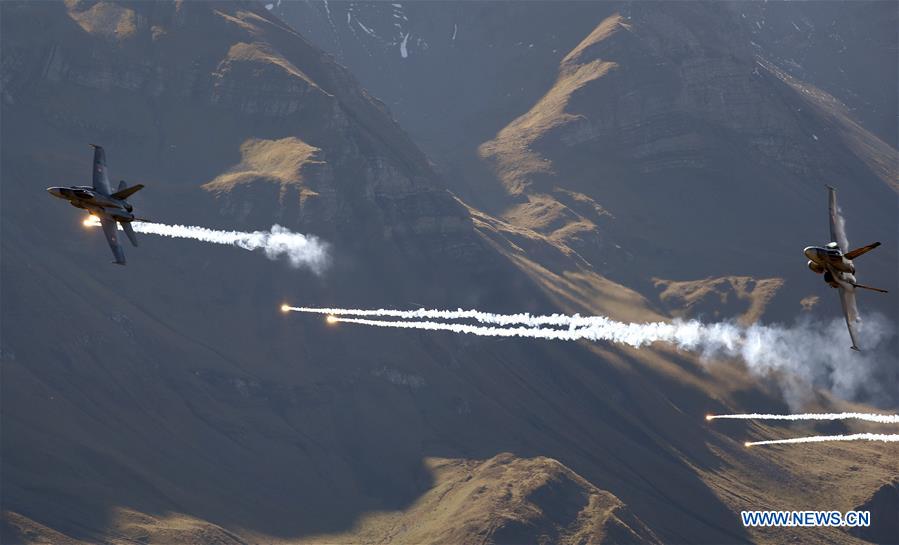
(870, 288)
(127, 192)
(863, 250)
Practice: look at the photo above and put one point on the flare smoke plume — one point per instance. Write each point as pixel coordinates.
(804, 354)
(869, 417)
(883, 437)
(299, 250)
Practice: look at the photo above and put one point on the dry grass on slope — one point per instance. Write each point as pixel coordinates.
(837, 476)
(741, 296)
(279, 161)
(515, 160)
(127, 526)
(561, 273)
(503, 499)
(104, 19)
(262, 53)
(17, 528)
(565, 220)
(603, 30)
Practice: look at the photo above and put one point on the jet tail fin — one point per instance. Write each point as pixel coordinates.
(870, 288)
(132, 236)
(124, 192)
(863, 250)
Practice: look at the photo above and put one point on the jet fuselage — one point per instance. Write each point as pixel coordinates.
(98, 204)
(830, 261)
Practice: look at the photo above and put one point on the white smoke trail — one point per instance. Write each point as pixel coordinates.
(883, 437)
(594, 328)
(300, 250)
(803, 355)
(870, 417)
(533, 333)
(483, 317)
(604, 329)
(685, 334)
(716, 338)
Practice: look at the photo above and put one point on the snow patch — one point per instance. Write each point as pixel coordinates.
(367, 30)
(404, 53)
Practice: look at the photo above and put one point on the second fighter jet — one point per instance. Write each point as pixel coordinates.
(100, 201)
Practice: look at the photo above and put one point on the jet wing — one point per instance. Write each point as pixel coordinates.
(850, 312)
(109, 229)
(837, 224)
(101, 179)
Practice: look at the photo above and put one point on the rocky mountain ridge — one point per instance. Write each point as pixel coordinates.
(170, 401)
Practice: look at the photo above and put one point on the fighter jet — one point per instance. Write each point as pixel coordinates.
(100, 201)
(834, 261)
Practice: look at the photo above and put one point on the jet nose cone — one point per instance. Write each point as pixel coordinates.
(54, 191)
(810, 252)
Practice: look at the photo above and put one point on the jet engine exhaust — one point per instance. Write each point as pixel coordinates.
(299, 250)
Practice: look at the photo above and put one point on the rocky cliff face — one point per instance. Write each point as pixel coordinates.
(669, 120)
(247, 75)
(834, 46)
(656, 121)
(170, 401)
(882, 504)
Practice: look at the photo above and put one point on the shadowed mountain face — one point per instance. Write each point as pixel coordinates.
(845, 48)
(708, 133)
(169, 401)
(625, 130)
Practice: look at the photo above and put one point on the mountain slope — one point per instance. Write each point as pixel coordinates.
(728, 130)
(667, 123)
(170, 401)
